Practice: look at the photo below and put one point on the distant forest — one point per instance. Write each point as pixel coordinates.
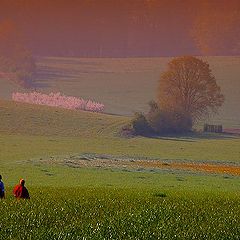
(124, 28)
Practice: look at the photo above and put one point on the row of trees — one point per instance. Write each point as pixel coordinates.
(187, 93)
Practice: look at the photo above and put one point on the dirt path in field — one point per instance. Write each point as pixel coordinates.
(220, 168)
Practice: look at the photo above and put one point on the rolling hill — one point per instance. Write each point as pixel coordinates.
(30, 131)
(35, 120)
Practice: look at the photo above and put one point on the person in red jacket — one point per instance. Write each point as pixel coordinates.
(20, 191)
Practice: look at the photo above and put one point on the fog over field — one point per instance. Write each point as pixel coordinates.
(126, 85)
(126, 28)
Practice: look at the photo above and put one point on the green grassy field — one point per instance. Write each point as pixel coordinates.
(103, 213)
(100, 203)
(72, 202)
(47, 131)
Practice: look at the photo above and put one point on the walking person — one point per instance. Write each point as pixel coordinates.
(20, 191)
(2, 190)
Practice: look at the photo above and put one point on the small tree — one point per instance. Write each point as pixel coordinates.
(189, 89)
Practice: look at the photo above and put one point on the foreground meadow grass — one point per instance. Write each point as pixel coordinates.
(82, 203)
(110, 213)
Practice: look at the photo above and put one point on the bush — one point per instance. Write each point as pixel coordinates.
(169, 122)
(158, 122)
(140, 126)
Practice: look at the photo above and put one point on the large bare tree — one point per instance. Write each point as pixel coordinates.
(189, 87)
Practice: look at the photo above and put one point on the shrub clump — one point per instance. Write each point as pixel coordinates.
(140, 125)
(159, 122)
(168, 121)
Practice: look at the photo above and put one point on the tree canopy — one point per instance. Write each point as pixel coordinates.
(189, 87)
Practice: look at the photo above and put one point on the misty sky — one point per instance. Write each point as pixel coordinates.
(125, 27)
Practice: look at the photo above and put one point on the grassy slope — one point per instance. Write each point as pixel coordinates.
(29, 133)
(35, 120)
(52, 131)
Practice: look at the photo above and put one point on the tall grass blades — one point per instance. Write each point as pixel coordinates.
(105, 213)
(58, 100)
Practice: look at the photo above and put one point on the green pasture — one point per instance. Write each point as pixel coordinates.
(120, 213)
(18, 147)
(32, 132)
(83, 203)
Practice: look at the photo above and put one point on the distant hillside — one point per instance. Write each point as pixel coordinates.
(26, 119)
(126, 85)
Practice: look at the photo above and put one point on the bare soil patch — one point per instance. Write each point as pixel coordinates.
(133, 164)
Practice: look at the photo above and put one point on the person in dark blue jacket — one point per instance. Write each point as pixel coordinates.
(2, 190)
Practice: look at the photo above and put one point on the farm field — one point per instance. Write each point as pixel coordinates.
(86, 181)
(53, 131)
(122, 213)
(82, 185)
